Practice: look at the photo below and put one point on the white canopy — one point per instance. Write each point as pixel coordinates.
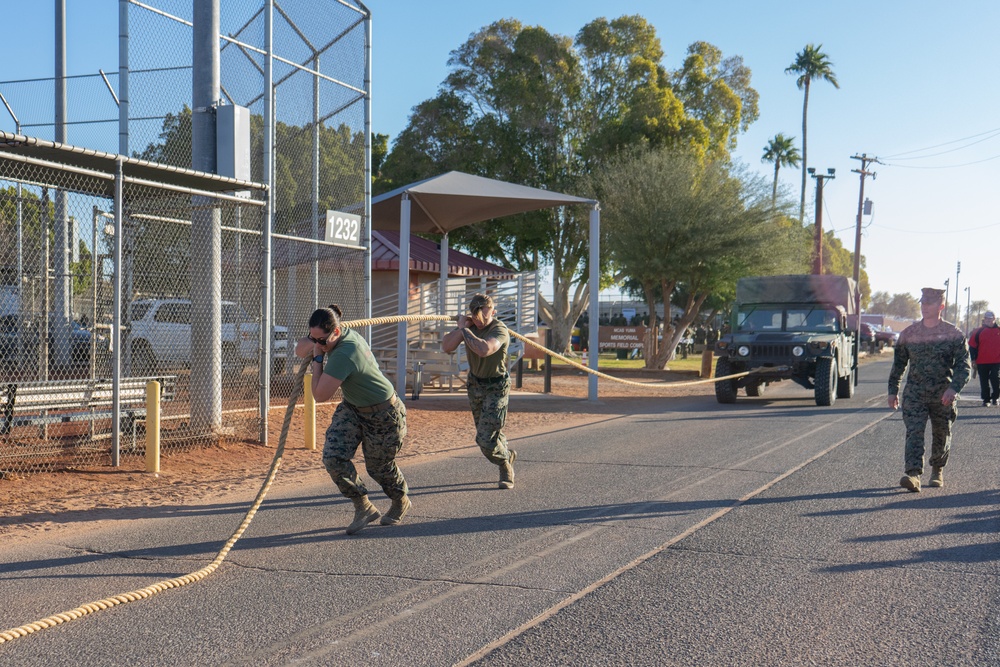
(452, 200)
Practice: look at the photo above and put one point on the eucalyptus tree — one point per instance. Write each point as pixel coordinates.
(810, 63)
(780, 151)
(523, 105)
(717, 97)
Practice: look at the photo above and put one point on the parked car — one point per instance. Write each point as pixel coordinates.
(885, 336)
(19, 337)
(159, 337)
(867, 334)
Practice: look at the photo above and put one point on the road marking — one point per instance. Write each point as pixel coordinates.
(552, 611)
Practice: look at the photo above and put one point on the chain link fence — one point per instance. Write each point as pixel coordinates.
(69, 397)
(320, 148)
(56, 308)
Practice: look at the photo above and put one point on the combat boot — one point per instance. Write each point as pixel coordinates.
(507, 472)
(364, 513)
(911, 482)
(937, 476)
(400, 506)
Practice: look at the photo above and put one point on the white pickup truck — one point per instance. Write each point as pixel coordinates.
(159, 337)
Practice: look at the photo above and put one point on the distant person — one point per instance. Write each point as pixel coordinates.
(486, 341)
(938, 359)
(370, 415)
(984, 345)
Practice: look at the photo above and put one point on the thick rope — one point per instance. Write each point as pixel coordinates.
(650, 385)
(198, 575)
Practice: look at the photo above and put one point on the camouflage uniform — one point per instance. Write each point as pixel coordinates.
(488, 400)
(938, 358)
(381, 436)
(370, 415)
(489, 393)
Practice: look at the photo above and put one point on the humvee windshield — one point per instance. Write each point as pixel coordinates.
(773, 318)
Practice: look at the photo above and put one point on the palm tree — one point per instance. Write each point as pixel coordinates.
(810, 63)
(782, 152)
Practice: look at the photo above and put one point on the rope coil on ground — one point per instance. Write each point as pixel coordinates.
(198, 575)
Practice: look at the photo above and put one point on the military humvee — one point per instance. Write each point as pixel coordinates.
(790, 328)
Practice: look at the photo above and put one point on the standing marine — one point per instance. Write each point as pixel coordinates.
(938, 358)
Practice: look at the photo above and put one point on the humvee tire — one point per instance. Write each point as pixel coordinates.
(725, 390)
(826, 381)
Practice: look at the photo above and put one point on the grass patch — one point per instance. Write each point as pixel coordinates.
(609, 361)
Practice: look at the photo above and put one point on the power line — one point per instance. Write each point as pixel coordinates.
(952, 150)
(954, 141)
(942, 231)
(943, 166)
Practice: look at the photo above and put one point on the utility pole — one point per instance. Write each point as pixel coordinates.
(947, 281)
(865, 161)
(818, 253)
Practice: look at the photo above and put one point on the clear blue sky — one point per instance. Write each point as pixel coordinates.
(917, 90)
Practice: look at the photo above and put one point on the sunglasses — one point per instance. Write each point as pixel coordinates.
(319, 341)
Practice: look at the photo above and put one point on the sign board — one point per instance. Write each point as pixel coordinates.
(628, 313)
(343, 228)
(621, 338)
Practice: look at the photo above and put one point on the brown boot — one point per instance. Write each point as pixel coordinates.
(394, 516)
(911, 482)
(507, 472)
(937, 476)
(364, 513)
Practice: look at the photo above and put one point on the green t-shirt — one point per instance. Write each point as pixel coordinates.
(353, 363)
(495, 364)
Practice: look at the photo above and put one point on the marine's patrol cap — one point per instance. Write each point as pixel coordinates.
(931, 295)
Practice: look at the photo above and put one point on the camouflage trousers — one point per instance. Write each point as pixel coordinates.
(380, 435)
(916, 411)
(488, 401)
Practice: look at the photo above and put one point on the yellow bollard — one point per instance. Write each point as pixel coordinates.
(153, 426)
(310, 412)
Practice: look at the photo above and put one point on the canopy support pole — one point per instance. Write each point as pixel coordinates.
(404, 292)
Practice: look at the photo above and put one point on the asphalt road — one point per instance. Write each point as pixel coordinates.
(769, 532)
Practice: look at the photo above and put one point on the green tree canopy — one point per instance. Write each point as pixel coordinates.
(781, 152)
(675, 224)
(526, 106)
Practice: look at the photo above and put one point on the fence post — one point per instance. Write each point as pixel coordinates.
(310, 411)
(153, 426)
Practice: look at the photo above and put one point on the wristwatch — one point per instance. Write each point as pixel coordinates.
(318, 358)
